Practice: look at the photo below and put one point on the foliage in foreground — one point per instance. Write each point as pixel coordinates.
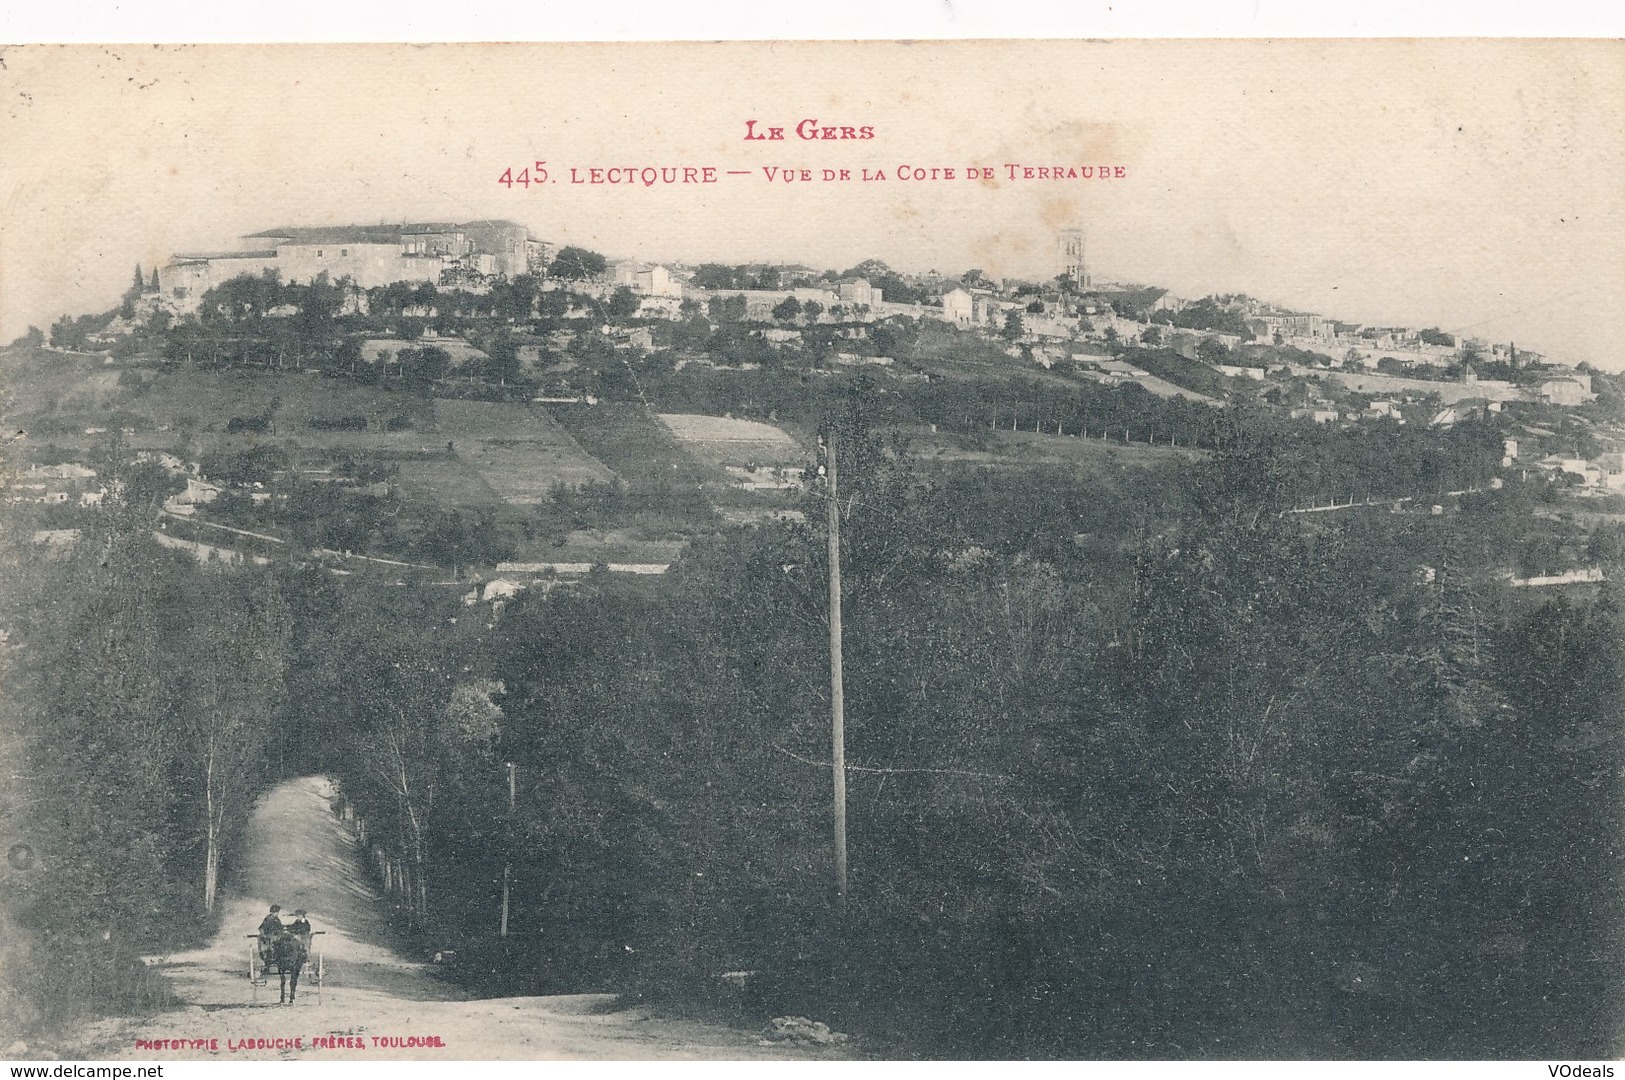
(1283, 800)
(1241, 785)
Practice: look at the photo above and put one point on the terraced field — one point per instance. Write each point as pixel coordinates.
(723, 440)
(519, 452)
(630, 440)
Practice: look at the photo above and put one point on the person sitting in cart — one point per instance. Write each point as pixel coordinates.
(270, 928)
(300, 928)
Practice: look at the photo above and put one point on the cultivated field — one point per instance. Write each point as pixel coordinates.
(37, 386)
(444, 481)
(521, 453)
(524, 472)
(723, 440)
(495, 420)
(68, 400)
(627, 438)
(296, 403)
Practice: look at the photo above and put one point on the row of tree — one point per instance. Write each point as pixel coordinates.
(897, 289)
(141, 700)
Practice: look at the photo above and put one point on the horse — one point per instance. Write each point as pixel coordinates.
(289, 953)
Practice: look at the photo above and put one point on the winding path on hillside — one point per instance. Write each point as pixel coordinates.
(299, 855)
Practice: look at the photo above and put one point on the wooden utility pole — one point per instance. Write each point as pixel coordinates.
(837, 691)
(507, 863)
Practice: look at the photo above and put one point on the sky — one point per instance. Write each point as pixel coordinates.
(1471, 185)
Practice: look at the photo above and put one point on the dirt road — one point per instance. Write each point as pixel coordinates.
(300, 856)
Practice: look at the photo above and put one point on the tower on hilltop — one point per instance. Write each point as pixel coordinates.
(1069, 256)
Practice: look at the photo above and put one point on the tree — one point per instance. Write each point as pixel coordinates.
(132, 294)
(888, 281)
(691, 335)
(869, 268)
(424, 366)
(236, 657)
(515, 300)
(458, 539)
(405, 716)
(474, 716)
(252, 465)
(243, 299)
(88, 724)
(319, 304)
(66, 333)
(578, 264)
(344, 357)
(787, 309)
(727, 309)
(716, 276)
(159, 320)
(894, 337)
(552, 305)
(1209, 314)
(623, 305)
(502, 360)
(811, 310)
(1014, 328)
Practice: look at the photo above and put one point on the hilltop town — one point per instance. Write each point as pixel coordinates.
(499, 341)
(1040, 320)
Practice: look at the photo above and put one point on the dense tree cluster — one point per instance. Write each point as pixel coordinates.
(578, 264)
(142, 698)
(719, 276)
(892, 285)
(71, 333)
(1267, 791)
(1138, 766)
(1207, 314)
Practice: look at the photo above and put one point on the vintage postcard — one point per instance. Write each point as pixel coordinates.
(813, 551)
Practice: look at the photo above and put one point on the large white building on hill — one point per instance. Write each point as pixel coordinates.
(369, 255)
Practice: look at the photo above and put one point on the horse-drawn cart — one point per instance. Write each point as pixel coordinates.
(290, 957)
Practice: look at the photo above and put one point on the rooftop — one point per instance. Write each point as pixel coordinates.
(208, 255)
(334, 234)
(373, 234)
